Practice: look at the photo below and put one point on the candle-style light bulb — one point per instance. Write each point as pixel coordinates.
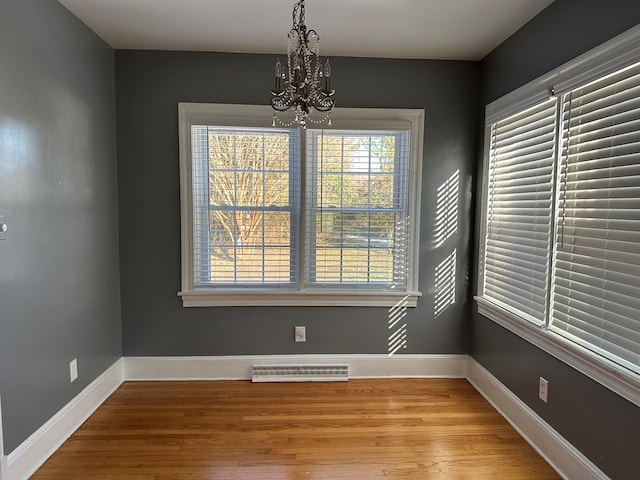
(279, 74)
(298, 74)
(278, 69)
(327, 79)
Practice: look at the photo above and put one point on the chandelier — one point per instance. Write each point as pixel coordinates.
(304, 83)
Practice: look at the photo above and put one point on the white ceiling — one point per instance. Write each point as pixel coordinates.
(434, 29)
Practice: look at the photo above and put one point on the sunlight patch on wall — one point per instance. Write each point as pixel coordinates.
(398, 334)
(445, 282)
(17, 145)
(446, 223)
(398, 330)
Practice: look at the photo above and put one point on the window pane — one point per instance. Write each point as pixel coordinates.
(247, 237)
(358, 197)
(351, 229)
(357, 170)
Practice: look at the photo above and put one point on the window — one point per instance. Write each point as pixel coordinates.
(518, 225)
(596, 284)
(281, 216)
(560, 258)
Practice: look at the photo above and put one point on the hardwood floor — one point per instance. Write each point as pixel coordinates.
(361, 429)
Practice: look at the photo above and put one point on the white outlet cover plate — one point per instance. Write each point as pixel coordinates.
(300, 334)
(73, 369)
(543, 390)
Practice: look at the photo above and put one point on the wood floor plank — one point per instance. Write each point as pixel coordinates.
(361, 429)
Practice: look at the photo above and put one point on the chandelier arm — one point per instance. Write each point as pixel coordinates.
(323, 108)
(308, 34)
(280, 108)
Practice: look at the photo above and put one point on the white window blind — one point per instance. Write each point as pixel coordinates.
(518, 212)
(357, 208)
(596, 286)
(246, 204)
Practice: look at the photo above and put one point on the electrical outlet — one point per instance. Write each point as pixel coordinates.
(3, 227)
(543, 390)
(73, 369)
(301, 334)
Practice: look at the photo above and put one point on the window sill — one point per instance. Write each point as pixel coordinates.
(297, 299)
(619, 380)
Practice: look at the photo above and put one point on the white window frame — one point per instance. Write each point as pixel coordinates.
(609, 57)
(261, 116)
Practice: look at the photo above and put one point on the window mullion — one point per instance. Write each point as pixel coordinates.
(264, 204)
(369, 208)
(236, 228)
(304, 214)
(342, 206)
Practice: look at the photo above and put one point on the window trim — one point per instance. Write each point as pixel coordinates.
(613, 55)
(259, 116)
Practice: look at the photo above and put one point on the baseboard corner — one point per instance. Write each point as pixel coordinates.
(566, 459)
(21, 463)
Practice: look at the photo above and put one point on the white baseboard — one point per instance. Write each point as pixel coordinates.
(568, 461)
(559, 453)
(3, 459)
(239, 367)
(34, 451)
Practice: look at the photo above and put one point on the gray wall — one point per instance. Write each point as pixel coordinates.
(59, 289)
(59, 280)
(604, 426)
(149, 86)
